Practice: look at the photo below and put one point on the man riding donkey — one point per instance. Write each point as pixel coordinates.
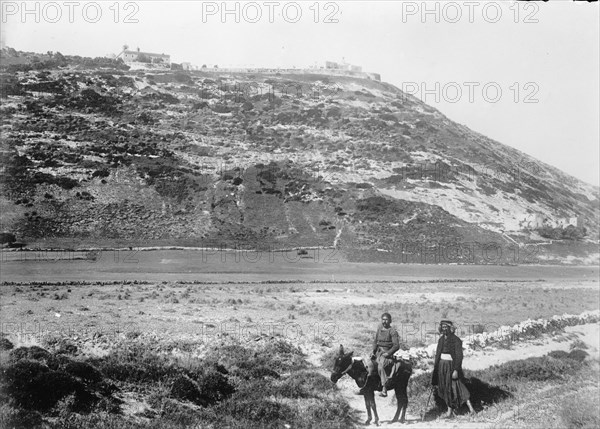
(447, 371)
(386, 343)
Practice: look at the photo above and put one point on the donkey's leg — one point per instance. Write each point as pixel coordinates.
(403, 389)
(374, 406)
(401, 401)
(368, 407)
(404, 405)
(399, 406)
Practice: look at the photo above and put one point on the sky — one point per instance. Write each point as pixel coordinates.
(525, 74)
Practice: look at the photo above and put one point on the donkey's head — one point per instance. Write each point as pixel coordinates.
(342, 364)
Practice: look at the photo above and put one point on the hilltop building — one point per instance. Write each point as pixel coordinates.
(348, 69)
(138, 56)
(332, 65)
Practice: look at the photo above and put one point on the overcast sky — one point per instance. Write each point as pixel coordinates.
(542, 57)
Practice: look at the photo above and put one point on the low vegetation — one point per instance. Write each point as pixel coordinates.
(266, 385)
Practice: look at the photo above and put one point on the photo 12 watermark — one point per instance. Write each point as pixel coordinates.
(252, 12)
(453, 12)
(472, 92)
(52, 12)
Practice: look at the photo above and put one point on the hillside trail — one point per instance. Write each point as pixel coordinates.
(386, 407)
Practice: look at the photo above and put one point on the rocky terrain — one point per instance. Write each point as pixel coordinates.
(95, 154)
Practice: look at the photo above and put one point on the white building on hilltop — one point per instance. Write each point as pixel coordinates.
(138, 56)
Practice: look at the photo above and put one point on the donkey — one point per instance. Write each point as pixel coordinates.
(356, 369)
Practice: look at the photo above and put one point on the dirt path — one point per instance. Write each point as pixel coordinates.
(386, 407)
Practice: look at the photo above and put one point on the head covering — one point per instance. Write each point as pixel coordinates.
(388, 315)
(449, 324)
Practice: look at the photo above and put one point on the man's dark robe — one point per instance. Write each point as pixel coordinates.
(453, 346)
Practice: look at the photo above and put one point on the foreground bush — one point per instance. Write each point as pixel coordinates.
(265, 386)
(35, 379)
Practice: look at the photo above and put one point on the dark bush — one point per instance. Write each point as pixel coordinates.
(558, 354)
(214, 386)
(33, 353)
(31, 385)
(23, 372)
(5, 344)
(186, 389)
(83, 371)
(578, 355)
(7, 237)
(101, 173)
(50, 387)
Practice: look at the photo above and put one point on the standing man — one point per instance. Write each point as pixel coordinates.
(386, 343)
(447, 370)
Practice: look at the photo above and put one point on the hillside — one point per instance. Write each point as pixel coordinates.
(94, 154)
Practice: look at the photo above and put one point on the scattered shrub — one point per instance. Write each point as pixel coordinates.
(186, 389)
(214, 386)
(5, 344)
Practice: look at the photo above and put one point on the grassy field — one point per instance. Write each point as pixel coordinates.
(245, 346)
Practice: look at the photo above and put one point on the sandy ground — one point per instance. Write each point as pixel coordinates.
(386, 407)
